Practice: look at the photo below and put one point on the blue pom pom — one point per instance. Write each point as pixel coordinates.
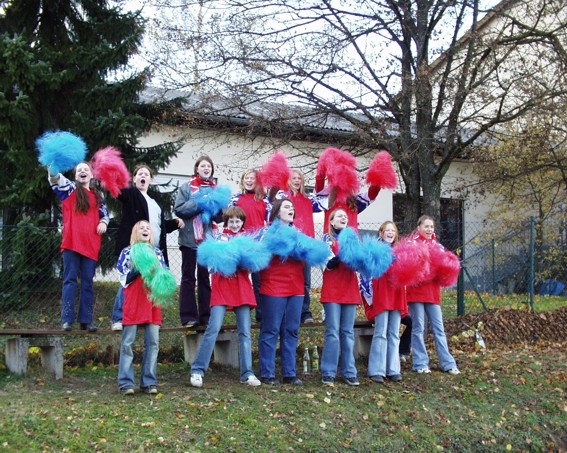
(351, 252)
(220, 257)
(211, 201)
(254, 256)
(280, 239)
(60, 151)
(378, 257)
(311, 251)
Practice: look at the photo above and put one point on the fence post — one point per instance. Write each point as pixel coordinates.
(494, 267)
(532, 262)
(461, 286)
(461, 294)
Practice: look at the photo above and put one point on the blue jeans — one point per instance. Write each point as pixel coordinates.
(420, 358)
(280, 318)
(149, 360)
(201, 363)
(118, 304)
(305, 312)
(77, 266)
(339, 340)
(384, 358)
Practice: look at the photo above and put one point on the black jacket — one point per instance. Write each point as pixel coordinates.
(134, 209)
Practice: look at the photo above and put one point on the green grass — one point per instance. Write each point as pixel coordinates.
(506, 399)
(503, 400)
(492, 302)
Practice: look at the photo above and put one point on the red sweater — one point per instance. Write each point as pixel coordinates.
(386, 296)
(233, 291)
(303, 220)
(138, 309)
(255, 211)
(427, 292)
(282, 278)
(340, 285)
(79, 230)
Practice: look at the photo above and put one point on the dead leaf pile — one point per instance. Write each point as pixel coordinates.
(504, 326)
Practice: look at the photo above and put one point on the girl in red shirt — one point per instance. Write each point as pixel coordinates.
(85, 218)
(388, 304)
(340, 297)
(425, 299)
(138, 311)
(229, 293)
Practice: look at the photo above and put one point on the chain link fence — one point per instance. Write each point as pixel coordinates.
(526, 259)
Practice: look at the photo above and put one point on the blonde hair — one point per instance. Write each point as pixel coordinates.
(302, 187)
(136, 237)
(382, 229)
(331, 218)
(259, 192)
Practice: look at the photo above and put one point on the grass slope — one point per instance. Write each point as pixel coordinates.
(511, 398)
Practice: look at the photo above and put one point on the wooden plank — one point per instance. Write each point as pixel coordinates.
(77, 332)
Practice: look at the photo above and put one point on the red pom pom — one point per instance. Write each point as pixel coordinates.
(381, 172)
(340, 168)
(445, 266)
(327, 160)
(411, 265)
(109, 168)
(275, 172)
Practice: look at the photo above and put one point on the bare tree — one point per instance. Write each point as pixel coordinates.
(428, 80)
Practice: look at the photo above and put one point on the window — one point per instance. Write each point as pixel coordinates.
(450, 230)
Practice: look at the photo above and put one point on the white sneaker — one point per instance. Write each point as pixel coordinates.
(252, 381)
(196, 380)
(116, 326)
(454, 371)
(403, 358)
(425, 370)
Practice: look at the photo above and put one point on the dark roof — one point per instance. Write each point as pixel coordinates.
(208, 111)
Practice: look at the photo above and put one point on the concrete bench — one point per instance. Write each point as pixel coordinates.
(226, 351)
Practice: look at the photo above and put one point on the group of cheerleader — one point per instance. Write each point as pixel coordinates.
(261, 260)
(399, 272)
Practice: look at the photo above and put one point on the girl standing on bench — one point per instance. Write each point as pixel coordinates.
(194, 310)
(85, 218)
(229, 293)
(138, 205)
(138, 310)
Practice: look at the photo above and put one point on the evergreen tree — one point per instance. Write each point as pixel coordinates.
(61, 69)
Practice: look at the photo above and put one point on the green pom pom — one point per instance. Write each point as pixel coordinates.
(144, 259)
(162, 287)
